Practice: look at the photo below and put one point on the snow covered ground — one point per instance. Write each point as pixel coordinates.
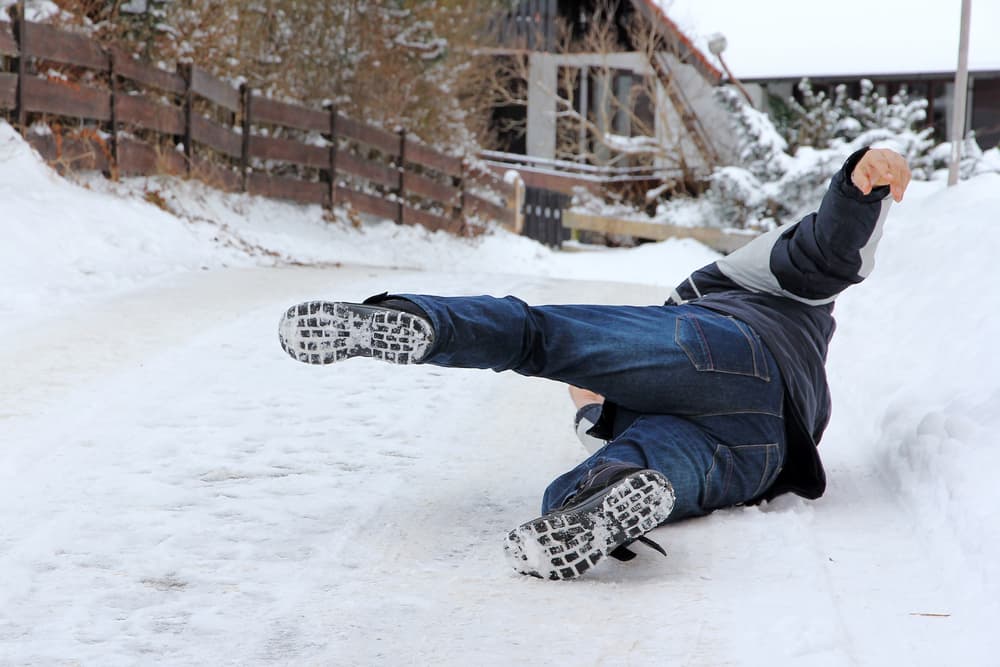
(174, 490)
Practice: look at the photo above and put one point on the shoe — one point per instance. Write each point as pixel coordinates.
(613, 507)
(323, 332)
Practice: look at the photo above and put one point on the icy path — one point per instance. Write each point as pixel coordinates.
(174, 490)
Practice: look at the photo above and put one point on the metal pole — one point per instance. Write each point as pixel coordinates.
(961, 93)
(736, 81)
(584, 111)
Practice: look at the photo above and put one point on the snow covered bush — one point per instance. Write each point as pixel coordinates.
(820, 121)
(768, 185)
(781, 175)
(973, 159)
(814, 120)
(894, 122)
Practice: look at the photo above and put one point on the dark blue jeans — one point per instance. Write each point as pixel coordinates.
(696, 394)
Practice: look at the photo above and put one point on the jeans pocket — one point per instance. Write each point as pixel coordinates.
(721, 344)
(740, 473)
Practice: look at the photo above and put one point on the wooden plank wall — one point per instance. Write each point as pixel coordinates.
(128, 118)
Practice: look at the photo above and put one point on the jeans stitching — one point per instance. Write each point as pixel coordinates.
(704, 344)
(678, 338)
(778, 414)
(727, 477)
(756, 348)
(760, 370)
(708, 475)
(765, 472)
(715, 496)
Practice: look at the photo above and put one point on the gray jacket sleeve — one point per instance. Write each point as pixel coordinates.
(817, 258)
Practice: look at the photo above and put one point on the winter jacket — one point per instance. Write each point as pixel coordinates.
(783, 284)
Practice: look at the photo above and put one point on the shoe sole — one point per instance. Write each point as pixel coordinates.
(324, 332)
(565, 544)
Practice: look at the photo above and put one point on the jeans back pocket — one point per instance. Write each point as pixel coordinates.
(721, 344)
(740, 473)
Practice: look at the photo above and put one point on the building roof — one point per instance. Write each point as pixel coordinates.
(782, 39)
(686, 48)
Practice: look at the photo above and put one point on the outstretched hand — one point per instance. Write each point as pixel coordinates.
(881, 166)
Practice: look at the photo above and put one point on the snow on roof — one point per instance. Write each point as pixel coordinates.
(791, 38)
(694, 51)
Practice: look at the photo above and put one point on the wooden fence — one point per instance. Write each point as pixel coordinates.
(109, 112)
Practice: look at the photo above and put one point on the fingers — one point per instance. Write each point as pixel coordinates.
(861, 177)
(881, 166)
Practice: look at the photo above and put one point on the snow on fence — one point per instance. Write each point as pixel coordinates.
(109, 112)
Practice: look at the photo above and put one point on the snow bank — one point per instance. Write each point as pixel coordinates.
(914, 368)
(286, 232)
(66, 243)
(62, 242)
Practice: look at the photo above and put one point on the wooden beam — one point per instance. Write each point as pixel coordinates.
(723, 240)
(8, 45)
(214, 89)
(289, 115)
(50, 43)
(8, 91)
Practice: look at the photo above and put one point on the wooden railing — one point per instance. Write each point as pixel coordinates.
(722, 240)
(106, 111)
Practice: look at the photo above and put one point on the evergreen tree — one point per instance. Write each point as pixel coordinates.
(815, 119)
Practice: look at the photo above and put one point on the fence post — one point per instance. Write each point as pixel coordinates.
(463, 178)
(332, 196)
(113, 85)
(184, 69)
(246, 101)
(518, 204)
(20, 112)
(402, 175)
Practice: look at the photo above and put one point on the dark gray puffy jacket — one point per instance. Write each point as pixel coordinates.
(783, 284)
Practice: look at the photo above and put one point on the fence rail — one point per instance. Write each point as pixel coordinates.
(8, 45)
(110, 112)
(723, 240)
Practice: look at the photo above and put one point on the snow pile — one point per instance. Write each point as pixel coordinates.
(66, 242)
(914, 366)
(62, 241)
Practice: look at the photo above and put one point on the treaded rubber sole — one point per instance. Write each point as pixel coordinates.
(324, 332)
(564, 544)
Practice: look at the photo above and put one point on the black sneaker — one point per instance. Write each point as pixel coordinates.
(615, 506)
(322, 332)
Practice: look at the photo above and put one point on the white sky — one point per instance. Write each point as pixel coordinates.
(805, 37)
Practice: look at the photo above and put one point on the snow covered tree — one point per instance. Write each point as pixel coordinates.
(780, 175)
(892, 122)
(739, 192)
(819, 121)
(814, 120)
